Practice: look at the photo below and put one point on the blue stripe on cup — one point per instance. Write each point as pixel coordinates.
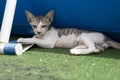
(9, 49)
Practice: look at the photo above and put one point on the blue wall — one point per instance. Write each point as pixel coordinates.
(98, 15)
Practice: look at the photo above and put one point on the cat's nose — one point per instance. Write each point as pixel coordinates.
(39, 32)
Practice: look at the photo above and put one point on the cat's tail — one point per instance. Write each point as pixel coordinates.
(113, 44)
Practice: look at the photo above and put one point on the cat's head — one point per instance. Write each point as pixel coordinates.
(40, 24)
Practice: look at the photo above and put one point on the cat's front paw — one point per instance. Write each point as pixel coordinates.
(26, 40)
(20, 40)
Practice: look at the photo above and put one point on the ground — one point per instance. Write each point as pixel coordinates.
(57, 64)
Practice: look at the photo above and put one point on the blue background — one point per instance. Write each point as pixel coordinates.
(97, 15)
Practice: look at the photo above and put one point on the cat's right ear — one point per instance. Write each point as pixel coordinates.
(49, 16)
(30, 16)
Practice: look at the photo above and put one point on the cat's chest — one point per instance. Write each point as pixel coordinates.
(66, 41)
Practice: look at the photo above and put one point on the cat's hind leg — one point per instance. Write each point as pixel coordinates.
(80, 47)
(91, 48)
(102, 47)
(78, 51)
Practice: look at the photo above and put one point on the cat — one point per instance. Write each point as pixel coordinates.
(80, 41)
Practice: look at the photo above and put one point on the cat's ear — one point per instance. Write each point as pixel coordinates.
(30, 16)
(49, 16)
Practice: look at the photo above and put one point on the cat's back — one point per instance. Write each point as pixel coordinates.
(70, 31)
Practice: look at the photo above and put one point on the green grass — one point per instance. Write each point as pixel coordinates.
(57, 64)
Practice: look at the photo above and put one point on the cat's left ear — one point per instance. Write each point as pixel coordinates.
(30, 16)
(49, 16)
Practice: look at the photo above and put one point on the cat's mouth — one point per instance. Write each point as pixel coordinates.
(38, 35)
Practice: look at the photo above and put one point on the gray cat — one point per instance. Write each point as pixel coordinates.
(80, 41)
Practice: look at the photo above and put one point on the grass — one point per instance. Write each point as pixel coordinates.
(57, 64)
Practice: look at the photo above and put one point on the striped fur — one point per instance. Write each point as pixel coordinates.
(68, 31)
(80, 41)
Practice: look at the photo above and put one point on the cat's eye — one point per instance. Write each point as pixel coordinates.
(34, 26)
(43, 26)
